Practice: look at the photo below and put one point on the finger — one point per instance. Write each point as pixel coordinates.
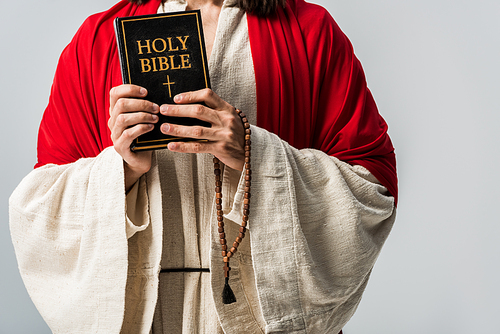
(189, 147)
(195, 132)
(191, 110)
(127, 120)
(124, 141)
(128, 106)
(208, 96)
(122, 91)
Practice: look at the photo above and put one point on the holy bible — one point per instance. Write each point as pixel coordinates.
(164, 53)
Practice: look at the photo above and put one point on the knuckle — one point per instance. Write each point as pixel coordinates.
(199, 110)
(197, 132)
(208, 93)
(120, 119)
(174, 130)
(121, 104)
(147, 105)
(196, 147)
(127, 134)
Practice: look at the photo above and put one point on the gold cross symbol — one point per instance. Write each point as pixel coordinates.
(168, 83)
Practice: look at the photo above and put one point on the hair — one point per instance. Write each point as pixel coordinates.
(259, 7)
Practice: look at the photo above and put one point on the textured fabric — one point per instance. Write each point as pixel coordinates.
(185, 302)
(302, 54)
(324, 102)
(316, 228)
(317, 223)
(67, 227)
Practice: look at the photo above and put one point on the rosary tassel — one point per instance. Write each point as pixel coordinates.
(228, 294)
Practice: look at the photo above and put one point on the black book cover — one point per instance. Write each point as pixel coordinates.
(164, 53)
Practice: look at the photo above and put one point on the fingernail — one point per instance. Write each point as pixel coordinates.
(163, 108)
(165, 128)
(155, 118)
(178, 98)
(143, 91)
(156, 108)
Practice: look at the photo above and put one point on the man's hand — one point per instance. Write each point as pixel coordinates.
(130, 117)
(225, 139)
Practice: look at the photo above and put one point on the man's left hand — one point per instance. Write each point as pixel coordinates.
(225, 139)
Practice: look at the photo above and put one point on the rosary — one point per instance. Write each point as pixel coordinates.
(227, 293)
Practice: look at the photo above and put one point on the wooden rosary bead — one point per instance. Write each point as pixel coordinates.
(228, 296)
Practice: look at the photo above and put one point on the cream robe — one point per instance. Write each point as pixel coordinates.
(317, 226)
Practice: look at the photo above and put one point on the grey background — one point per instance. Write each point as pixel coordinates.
(433, 69)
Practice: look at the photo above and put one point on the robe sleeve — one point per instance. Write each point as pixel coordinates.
(318, 229)
(68, 229)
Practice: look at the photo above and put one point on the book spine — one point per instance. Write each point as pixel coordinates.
(121, 50)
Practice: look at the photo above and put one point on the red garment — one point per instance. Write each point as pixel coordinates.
(311, 90)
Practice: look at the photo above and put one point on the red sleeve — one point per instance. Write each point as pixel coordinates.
(74, 124)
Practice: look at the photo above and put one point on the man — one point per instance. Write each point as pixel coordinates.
(109, 240)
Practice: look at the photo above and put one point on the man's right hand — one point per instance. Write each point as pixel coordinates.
(130, 117)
